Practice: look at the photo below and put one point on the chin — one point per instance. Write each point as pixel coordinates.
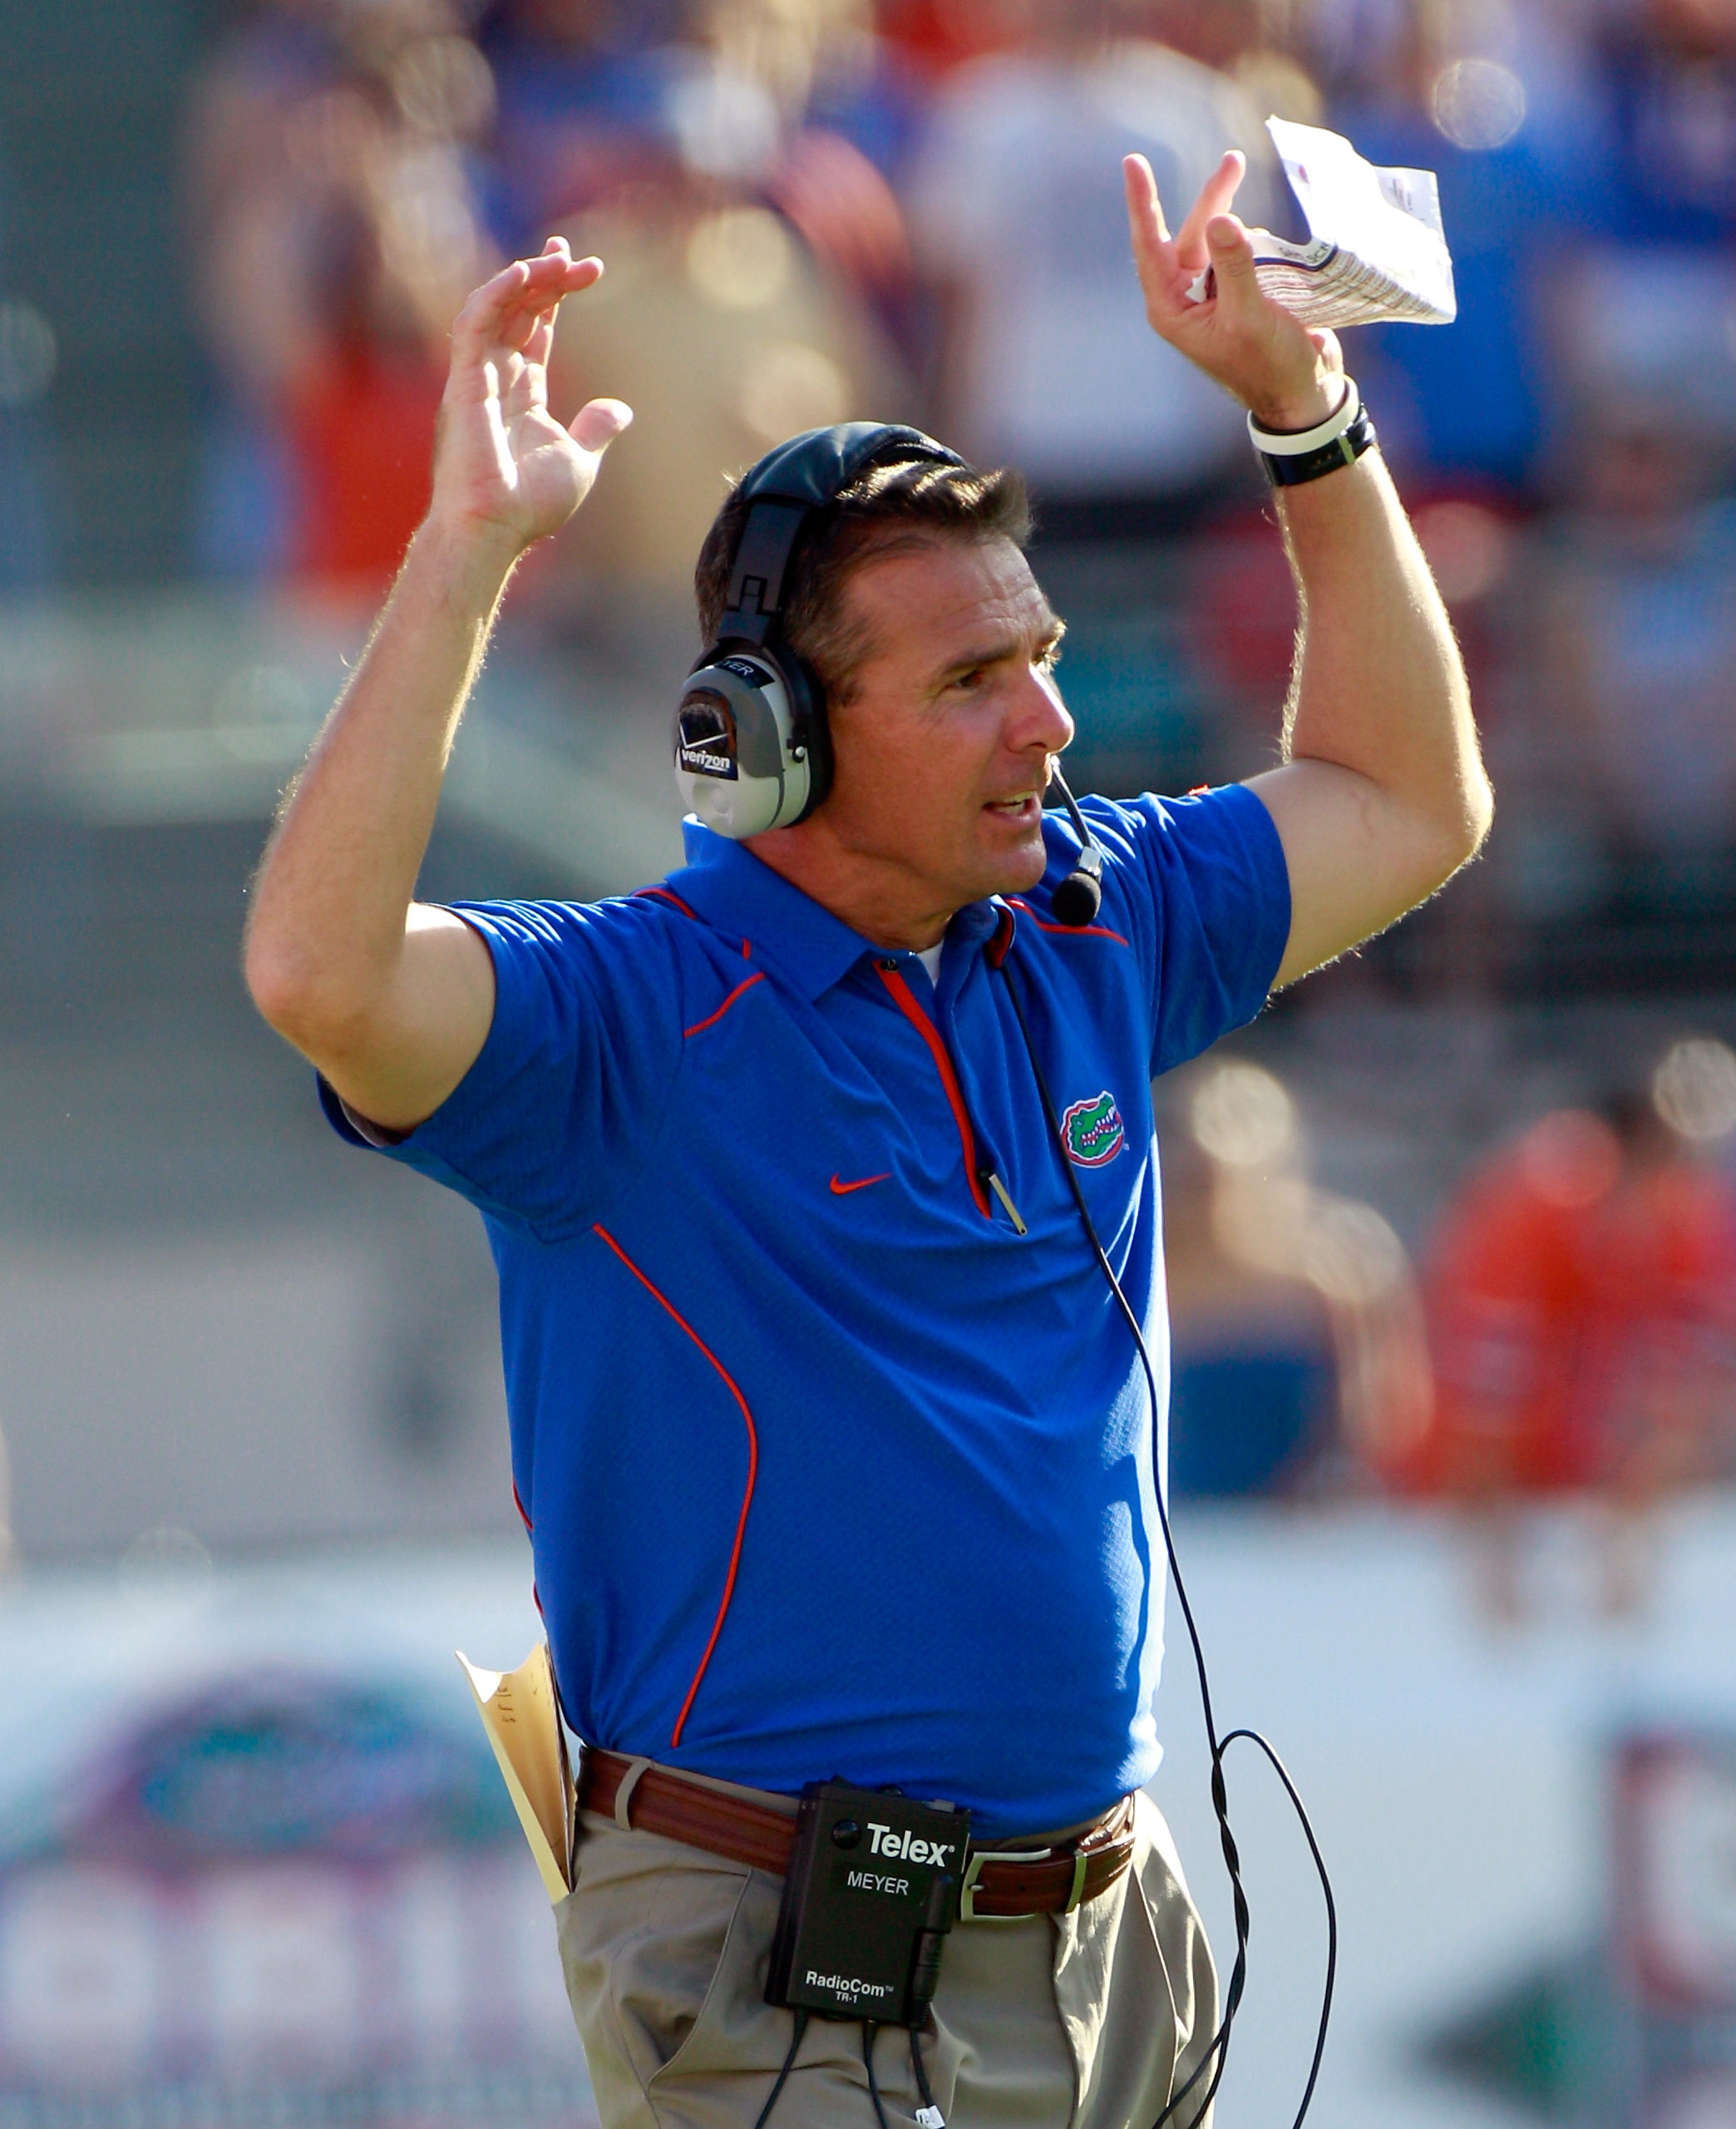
(1015, 872)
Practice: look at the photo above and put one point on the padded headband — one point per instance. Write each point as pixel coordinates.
(817, 466)
(804, 474)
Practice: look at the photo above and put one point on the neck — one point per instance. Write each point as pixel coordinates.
(879, 897)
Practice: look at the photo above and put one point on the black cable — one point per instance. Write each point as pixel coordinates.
(1320, 1863)
(869, 2030)
(1219, 2049)
(922, 2083)
(801, 2026)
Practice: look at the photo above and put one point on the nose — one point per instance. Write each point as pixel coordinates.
(1050, 725)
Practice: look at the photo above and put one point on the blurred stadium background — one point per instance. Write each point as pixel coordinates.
(1451, 1232)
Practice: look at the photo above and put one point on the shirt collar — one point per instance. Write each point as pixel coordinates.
(737, 893)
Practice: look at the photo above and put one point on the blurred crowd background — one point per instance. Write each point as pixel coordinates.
(1456, 1221)
(1451, 1230)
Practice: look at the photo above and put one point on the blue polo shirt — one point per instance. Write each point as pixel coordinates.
(830, 1469)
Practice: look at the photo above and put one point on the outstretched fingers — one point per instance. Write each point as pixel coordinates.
(476, 329)
(529, 315)
(1153, 252)
(1240, 336)
(517, 307)
(1216, 196)
(1165, 263)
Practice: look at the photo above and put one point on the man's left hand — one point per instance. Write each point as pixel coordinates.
(1382, 794)
(1287, 376)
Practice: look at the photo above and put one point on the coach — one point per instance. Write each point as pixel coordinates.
(838, 1458)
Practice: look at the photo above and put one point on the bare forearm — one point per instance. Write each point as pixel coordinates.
(328, 924)
(393, 1002)
(1379, 687)
(1381, 795)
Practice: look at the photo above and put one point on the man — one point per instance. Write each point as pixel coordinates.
(838, 1460)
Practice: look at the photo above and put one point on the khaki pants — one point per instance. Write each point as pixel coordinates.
(1082, 2021)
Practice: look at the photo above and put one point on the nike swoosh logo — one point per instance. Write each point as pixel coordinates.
(843, 1189)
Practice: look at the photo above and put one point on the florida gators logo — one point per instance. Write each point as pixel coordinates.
(1092, 1131)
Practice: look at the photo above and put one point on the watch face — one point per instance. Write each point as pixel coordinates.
(1291, 470)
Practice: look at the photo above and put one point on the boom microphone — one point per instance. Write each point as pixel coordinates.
(1080, 896)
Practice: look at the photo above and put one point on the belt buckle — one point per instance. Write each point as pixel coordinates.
(974, 1870)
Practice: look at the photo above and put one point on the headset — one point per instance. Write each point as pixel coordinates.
(752, 745)
(753, 751)
(752, 748)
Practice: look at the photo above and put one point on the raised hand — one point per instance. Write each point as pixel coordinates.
(502, 463)
(1288, 377)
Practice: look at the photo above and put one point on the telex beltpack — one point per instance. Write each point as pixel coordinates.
(871, 1893)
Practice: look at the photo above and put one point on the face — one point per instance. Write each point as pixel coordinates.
(943, 751)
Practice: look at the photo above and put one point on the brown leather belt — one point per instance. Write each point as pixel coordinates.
(1000, 1883)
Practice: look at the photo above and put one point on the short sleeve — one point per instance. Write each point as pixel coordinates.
(1209, 891)
(570, 1088)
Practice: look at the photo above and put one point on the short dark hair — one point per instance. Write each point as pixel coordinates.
(887, 509)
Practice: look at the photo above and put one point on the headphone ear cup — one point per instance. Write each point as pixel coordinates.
(737, 757)
(809, 717)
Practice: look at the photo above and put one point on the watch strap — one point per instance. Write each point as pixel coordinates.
(1291, 470)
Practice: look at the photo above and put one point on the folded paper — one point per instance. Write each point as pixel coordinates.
(522, 1718)
(1378, 251)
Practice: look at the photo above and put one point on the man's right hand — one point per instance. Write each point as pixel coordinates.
(503, 466)
(391, 1000)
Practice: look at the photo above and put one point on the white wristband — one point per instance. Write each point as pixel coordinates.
(1285, 443)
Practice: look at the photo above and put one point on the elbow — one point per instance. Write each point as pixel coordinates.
(1442, 838)
(293, 997)
(279, 987)
(1477, 817)
(1461, 834)
(1479, 814)
(270, 976)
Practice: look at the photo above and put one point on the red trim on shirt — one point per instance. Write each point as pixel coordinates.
(730, 1383)
(666, 894)
(893, 979)
(1069, 930)
(518, 1504)
(669, 895)
(711, 1019)
(1000, 944)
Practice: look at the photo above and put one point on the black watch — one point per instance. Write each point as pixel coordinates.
(1292, 471)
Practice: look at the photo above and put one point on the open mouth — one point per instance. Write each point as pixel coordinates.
(1026, 808)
